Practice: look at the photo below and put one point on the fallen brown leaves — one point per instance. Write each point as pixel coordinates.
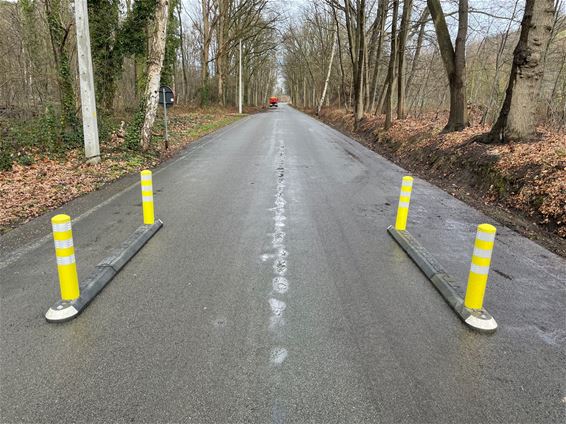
(528, 177)
(28, 191)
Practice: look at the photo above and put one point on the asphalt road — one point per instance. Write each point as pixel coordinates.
(273, 294)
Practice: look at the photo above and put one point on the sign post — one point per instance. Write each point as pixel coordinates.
(167, 99)
(165, 118)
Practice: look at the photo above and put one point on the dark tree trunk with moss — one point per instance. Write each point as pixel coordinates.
(403, 32)
(59, 34)
(172, 44)
(454, 59)
(391, 68)
(106, 54)
(517, 119)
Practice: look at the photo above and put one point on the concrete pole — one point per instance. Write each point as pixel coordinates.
(240, 82)
(88, 99)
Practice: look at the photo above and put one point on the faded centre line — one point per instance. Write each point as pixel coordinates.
(279, 260)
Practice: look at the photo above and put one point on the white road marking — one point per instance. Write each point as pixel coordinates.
(280, 285)
(277, 306)
(278, 356)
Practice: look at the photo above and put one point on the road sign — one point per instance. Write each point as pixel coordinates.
(166, 96)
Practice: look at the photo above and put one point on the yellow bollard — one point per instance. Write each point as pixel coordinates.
(479, 270)
(147, 197)
(403, 208)
(65, 252)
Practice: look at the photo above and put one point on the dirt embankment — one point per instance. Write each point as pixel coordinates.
(51, 180)
(522, 185)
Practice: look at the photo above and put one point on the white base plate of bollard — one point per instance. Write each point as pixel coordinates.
(60, 312)
(479, 320)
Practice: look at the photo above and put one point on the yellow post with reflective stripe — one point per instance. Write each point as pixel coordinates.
(479, 270)
(147, 197)
(65, 253)
(404, 200)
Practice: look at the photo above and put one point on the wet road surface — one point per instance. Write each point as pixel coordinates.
(274, 294)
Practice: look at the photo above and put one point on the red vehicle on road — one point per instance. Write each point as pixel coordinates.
(273, 101)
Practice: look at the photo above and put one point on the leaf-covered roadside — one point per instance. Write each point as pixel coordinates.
(527, 179)
(27, 191)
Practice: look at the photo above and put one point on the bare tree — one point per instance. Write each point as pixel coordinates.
(403, 31)
(517, 119)
(328, 73)
(391, 69)
(454, 59)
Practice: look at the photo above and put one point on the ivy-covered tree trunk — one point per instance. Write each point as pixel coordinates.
(517, 119)
(59, 35)
(206, 39)
(172, 43)
(106, 57)
(154, 65)
(33, 44)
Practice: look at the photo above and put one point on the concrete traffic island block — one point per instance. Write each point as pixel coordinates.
(104, 272)
(478, 319)
(470, 309)
(74, 297)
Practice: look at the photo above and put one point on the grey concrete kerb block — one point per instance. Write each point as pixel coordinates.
(103, 273)
(479, 320)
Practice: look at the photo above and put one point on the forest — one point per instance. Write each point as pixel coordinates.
(440, 86)
(39, 93)
(407, 58)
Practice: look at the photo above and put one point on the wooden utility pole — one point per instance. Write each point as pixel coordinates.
(88, 98)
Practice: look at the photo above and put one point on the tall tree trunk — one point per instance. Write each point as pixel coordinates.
(382, 15)
(154, 64)
(418, 48)
(221, 56)
(495, 84)
(517, 119)
(340, 59)
(183, 54)
(359, 82)
(327, 73)
(205, 52)
(403, 31)
(59, 35)
(454, 59)
(391, 69)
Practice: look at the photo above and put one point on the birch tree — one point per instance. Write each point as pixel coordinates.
(328, 73)
(154, 65)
